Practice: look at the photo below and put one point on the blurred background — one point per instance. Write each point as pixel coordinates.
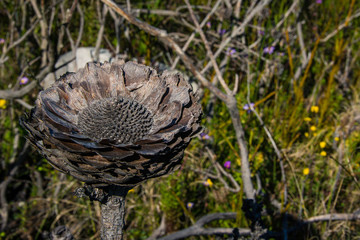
(293, 68)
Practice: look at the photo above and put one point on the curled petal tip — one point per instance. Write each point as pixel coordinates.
(118, 123)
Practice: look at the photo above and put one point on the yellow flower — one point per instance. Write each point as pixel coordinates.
(2, 103)
(260, 157)
(323, 153)
(314, 109)
(306, 134)
(208, 182)
(313, 128)
(314, 134)
(307, 119)
(131, 190)
(322, 144)
(337, 139)
(306, 171)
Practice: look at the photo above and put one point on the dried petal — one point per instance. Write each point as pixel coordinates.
(119, 123)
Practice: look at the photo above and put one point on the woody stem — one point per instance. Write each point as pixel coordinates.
(113, 213)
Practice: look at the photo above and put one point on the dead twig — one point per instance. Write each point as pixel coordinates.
(341, 26)
(334, 217)
(191, 38)
(10, 94)
(209, 51)
(287, 14)
(221, 172)
(198, 228)
(237, 31)
(102, 17)
(44, 32)
(3, 57)
(163, 36)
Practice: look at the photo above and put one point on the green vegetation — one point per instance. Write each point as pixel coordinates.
(313, 116)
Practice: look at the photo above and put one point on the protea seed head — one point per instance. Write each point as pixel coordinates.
(117, 119)
(116, 124)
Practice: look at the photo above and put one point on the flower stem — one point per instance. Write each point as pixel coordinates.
(113, 213)
(112, 199)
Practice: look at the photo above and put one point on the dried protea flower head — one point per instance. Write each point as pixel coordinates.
(116, 124)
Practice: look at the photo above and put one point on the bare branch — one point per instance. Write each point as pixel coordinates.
(44, 33)
(234, 91)
(3, 57)
(191, 38)
(302, 45)
(209, 51)
(335, 217)
(341, 26)
(169, 42)
(198, 228)
(287, 14)
(102, 17)
(15, 93)
(220, 171)
(238, 30)
(24, 104)
(81, 29)
(117, 30)
(9, 94)
(200, 231)
(159, 12)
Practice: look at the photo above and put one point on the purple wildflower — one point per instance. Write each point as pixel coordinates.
(24, 80)
(230, 51)
(261, 32)
(208, 24)
(189, 205)
(2, 41)
(204, 136)
(248, 108)
(319, 1)
(269, 50)
(227, 164)
(222, 32)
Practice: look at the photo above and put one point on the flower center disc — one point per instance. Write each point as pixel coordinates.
(118, 119)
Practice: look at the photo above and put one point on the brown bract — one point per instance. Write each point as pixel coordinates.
(118, 123)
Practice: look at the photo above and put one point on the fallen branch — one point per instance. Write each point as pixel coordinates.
(198, 228)
(341, 26)
(11, 93)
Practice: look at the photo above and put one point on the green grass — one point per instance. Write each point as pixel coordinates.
(282, 102)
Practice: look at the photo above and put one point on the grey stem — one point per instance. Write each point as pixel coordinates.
(113, 213)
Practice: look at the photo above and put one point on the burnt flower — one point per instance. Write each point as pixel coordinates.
(115, 124)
